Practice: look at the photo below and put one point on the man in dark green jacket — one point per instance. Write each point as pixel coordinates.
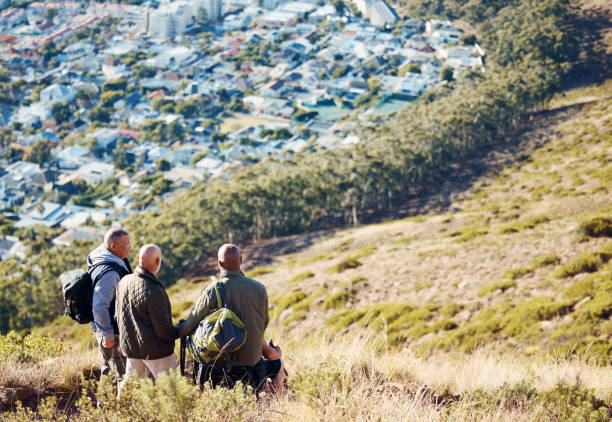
(144, 317)
(249, 300)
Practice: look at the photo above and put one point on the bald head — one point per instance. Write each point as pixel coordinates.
(229, 257)
(150, 257)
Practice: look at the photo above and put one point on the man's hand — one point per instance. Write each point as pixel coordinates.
(270, 352)
(274, 353)
(108, 344)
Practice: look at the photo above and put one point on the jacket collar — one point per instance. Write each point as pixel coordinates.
(144, 273)
(230, 274)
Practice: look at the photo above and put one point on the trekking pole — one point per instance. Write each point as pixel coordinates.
(182, 353)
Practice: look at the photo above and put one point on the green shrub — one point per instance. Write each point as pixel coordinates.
(301, 277)
(521, 396)
(345, 264)
(171, 397)
(597, 227)
(502, 285)
(586, 262)
(567, 402)
(600, 307)
(522, 321)
(364, 252)
(287, 301)
(336, 300)
(315, 258)
(517, 226)
(344, 245)
(583, 288)
(321, 381)
(481, 329)
(469, 233)
(344, 319)
(450, 309)
(31, 348)
(516, 273)
(543, 261)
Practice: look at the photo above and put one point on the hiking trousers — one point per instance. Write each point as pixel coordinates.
(111, 360)
(141, 368)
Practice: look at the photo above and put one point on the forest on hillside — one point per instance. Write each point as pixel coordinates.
(532, 47)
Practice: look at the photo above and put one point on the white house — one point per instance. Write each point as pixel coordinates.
(71, 157)
(95, 172)
(57, 94)
(78, 233)
(105, 136)
(46, 213)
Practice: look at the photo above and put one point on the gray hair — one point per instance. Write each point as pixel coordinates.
(112, 235)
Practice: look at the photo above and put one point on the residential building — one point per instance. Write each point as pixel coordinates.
(72, 157)
(95, 172)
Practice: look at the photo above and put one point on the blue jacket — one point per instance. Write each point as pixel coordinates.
(105, 279)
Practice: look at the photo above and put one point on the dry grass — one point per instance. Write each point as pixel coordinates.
(54, 374)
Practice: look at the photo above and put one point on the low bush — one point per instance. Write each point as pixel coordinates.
(597, 227)
(345, 264)
(516, 273)
(364, 252)
(287, 301)
(529, 223)
(521, 322)
(469, 233)
(450, 309)
(301, 277)
(586, 262)
(319, 382)
(546, 260)
(567, 402)
(502, 285)
(336, 300)
(31, 348)
(315, 258)
(521, 396)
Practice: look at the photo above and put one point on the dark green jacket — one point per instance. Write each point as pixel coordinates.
(144, 317)
(248, 299)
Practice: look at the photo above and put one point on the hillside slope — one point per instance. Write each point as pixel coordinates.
(516, 250)
(497, 309)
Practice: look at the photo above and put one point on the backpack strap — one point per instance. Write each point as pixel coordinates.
(220, 292)
(113, 267)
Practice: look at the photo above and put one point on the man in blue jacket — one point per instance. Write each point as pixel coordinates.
(107, 264)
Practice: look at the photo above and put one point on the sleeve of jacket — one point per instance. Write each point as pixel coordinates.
(206, 303)
(103, 294)
(158, 307)
(266, 312)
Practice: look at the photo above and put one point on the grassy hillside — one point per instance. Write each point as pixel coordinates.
(497, 309)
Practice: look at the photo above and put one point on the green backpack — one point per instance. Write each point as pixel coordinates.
(219, 335)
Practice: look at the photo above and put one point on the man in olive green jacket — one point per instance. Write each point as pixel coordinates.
(144, 317)
(249, 300)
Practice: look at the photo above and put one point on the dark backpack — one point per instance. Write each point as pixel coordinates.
(77, 291)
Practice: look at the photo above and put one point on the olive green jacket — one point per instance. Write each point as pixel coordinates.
(248, 299)
(144, 317)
